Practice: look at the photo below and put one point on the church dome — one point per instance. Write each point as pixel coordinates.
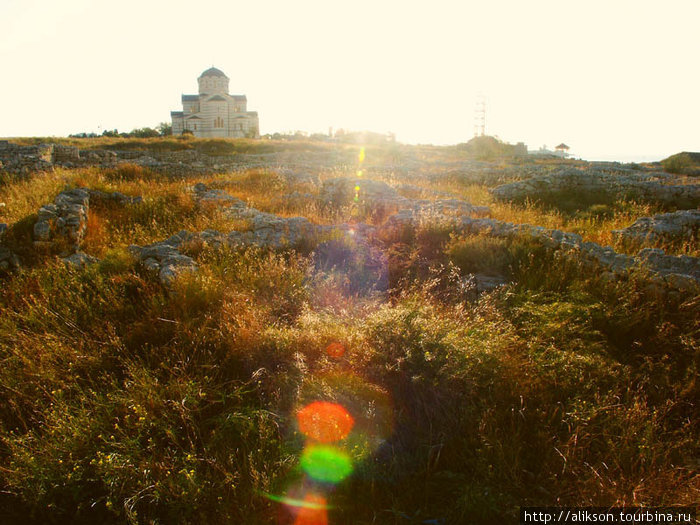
(213, 72)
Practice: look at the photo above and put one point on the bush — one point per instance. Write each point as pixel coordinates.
(480, 254)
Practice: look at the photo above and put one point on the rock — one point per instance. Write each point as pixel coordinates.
(80, 260)
(147, 162)
(116, 197)
(667, 227)
(674, 272)
(164, 259)
(682, 282)
(344, 190)
(204, 194)
(649, 187)
(3, 229)
(42, 230)
(65, 219)
(8, 260)
(481, 283)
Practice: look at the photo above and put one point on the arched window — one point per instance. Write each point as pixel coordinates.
(218, 122)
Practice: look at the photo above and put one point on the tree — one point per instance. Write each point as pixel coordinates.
(165, 128)
(144, 133)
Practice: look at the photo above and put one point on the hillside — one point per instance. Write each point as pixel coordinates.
(684, 163)
(240, 331)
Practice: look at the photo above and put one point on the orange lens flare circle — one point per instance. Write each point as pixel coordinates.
(336, 349)
(325, 422)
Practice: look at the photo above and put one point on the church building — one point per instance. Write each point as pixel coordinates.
(215, 113)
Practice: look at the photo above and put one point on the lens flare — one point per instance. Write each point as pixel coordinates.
(359, 173)
(371, 406)
(326, 463)
(361, 157)
(311, 501)
(313, 512)
(336, 349)
(325, 422)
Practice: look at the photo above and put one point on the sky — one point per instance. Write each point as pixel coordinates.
(613, 79)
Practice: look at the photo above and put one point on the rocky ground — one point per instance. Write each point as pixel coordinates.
(63, 223)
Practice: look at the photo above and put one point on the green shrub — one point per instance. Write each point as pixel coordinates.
(480, 254)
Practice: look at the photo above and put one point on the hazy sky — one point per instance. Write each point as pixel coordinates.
(612, 79)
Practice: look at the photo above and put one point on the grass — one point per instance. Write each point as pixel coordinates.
(126, 402)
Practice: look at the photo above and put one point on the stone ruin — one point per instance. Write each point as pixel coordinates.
(63, 223)
(344, 190)
(648, 187)
(265, 229)
(61, 226)
(664, 272)
(23, 160)
(671, 272)
(683, 226)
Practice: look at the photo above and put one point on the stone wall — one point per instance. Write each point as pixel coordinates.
(650, 187)
(680, 226)
(23, 160)
(61, 225)
(63, 222)
(663, 272)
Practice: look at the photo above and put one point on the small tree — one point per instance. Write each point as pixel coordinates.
(164, 129)
(144, 133)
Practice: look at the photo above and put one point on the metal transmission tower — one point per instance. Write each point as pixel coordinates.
(480, 116)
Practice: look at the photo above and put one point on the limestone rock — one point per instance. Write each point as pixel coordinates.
(116, 197)
(8, 260)
(680, 225)
(165, 259)
(80, 260)
(478, 283)
(206, 195)
(650, 187)
(65, 219)
(674, 272)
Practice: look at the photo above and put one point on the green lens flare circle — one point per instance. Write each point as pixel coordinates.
(325, 463)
